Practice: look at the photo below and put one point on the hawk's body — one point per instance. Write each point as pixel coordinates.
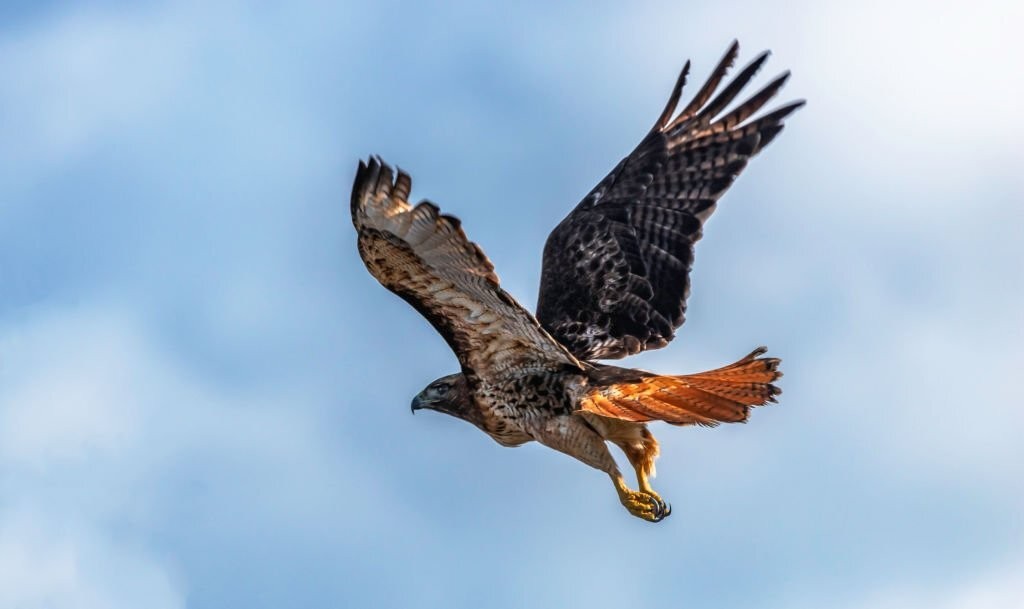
(614, 283)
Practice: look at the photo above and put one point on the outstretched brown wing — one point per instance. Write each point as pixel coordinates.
(616, 269)
(424, 257)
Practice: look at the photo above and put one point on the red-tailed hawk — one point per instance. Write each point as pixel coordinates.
(614, 283)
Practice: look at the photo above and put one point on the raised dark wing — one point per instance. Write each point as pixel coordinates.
(616, 269)
(424, 257)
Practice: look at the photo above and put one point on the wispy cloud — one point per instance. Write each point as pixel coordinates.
(106, 440)
(202, 392)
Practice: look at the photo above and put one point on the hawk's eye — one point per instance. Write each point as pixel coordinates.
(441, 390)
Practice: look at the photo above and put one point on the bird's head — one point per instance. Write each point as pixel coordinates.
(448, 394)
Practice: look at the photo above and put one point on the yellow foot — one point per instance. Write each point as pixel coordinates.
(646, 505)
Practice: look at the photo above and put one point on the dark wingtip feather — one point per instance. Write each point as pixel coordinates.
(748, 108)
(749, 145)
(732, 51)
(673, 100)
(374, 176)
(366, 175)
(770, 125)
(767, 135)
(780, 113)
(712, 83)
(733, 89)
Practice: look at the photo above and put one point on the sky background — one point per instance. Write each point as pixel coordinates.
(204, 397)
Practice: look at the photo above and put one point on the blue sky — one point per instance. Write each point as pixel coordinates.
(204, 396)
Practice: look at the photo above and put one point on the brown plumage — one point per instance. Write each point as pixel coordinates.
(615, 281)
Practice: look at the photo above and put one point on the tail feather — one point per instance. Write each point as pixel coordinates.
(722, 395)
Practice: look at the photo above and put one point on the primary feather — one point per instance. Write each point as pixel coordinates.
(616, 270)
(424, 256)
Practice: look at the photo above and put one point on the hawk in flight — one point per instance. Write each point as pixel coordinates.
(614, 283)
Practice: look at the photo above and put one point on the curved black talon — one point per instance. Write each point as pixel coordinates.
(661, 510)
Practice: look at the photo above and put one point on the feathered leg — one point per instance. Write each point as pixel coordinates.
(641, 449)
(573, 436)
(637, 443)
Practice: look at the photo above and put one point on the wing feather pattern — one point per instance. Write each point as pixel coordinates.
(616, 270)
(424, 256)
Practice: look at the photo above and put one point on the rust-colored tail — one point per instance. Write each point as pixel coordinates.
(723, 395)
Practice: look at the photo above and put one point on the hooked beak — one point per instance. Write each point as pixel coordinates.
(418, 403)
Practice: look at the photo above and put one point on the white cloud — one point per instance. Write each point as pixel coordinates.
(100, 421)
(51, 562)
(73, 81)
(97, 426)
(63, 380)
(75, 404)
(69, 78)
